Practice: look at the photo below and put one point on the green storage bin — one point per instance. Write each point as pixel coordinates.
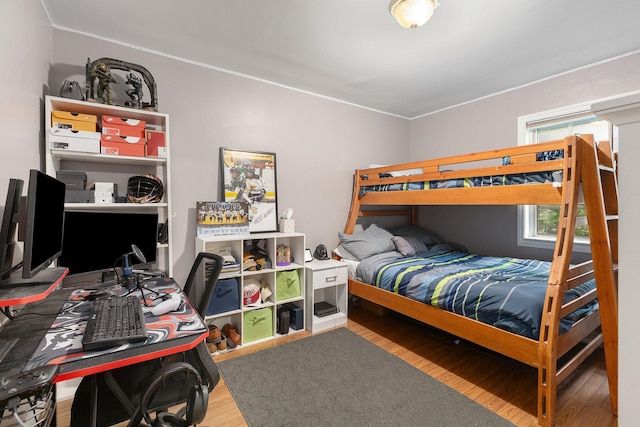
(258, 324)
(287, 284)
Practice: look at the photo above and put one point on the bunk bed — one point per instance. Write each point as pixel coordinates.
(575, 306)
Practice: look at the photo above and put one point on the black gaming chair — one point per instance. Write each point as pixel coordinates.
(136, 392)
(200, 296)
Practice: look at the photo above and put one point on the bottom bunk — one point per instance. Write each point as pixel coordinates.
(495, 302)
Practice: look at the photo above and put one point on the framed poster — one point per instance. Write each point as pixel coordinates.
(250, 176)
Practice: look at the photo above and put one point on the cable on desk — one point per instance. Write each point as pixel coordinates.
(33, 411)
(6, 312)
(12, 405)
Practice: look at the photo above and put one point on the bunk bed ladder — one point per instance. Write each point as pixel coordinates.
(601, 202)
(600, 191)
(560, 266)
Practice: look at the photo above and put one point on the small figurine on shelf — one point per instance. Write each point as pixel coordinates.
(135, 93)
(103, 73)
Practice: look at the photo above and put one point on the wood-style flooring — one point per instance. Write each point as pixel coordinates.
(498, 383)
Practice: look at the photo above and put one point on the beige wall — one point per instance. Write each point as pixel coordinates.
(318, 142)
(25, 48)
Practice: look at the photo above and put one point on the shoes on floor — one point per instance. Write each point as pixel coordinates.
(232, 334)
(216, 341)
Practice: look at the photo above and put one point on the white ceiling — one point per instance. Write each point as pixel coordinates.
(354, 51)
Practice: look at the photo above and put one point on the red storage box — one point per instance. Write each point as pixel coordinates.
(156, 144)
(122, 145)
(119, 126)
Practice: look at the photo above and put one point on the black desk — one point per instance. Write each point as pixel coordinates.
(50, 332)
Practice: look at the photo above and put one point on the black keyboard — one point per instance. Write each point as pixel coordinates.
(114, 321)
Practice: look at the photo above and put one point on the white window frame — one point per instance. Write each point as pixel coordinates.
(526, 214)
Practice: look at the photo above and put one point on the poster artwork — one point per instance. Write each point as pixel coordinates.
(250, 177)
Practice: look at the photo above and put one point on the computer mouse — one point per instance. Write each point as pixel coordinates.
(99, 293)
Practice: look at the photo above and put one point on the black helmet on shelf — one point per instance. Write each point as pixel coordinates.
(144, 188)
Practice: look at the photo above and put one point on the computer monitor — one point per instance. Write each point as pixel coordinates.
(41, 222)
(8, 236)
(95, 241)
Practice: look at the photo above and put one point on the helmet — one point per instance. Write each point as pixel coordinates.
(144, 188)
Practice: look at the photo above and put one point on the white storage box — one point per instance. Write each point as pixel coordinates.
(104, 187)
(103, 200)
(74, 140)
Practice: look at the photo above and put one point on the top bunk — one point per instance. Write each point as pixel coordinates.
(524, 175)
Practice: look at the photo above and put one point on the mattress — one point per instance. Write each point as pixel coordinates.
(507, 293)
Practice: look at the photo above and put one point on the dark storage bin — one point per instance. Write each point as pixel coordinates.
(226, 297)
(297, 316)
(75, 180)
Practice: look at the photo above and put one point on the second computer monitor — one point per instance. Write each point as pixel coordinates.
(96, 241)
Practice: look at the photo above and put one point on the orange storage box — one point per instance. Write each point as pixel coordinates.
(122, 145)
(74, 121)
(119, 126)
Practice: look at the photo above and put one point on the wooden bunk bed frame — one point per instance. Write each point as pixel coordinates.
(586, 166)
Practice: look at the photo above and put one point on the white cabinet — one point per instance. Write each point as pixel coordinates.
(326, 283)
(258, 322)
(113, 168)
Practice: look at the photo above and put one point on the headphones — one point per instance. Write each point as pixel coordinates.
(197, 400)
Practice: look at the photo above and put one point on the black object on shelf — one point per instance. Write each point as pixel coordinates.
(323, 308)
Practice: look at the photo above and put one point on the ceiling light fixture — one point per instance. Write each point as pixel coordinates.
(412, 13)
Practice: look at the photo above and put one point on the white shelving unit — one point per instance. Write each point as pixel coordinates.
(326, 281)
(114, 168)
(238, 317)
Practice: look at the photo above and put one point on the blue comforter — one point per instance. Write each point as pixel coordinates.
(507, 293)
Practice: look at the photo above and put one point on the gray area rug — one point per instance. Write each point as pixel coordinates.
(337, 378)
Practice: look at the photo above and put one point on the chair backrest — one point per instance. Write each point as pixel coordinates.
(200, 297)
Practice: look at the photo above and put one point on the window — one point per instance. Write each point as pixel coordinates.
(538, 225)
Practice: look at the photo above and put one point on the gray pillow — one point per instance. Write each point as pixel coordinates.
(408, 246)
(427, 237)
(344, 254)
(373, 240)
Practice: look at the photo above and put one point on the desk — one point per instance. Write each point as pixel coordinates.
(171, 333)
(51, 330)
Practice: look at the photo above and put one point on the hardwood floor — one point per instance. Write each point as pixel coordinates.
(498, 383)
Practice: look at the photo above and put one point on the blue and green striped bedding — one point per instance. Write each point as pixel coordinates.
(504, 292)
(480, 181)
(483, 181)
